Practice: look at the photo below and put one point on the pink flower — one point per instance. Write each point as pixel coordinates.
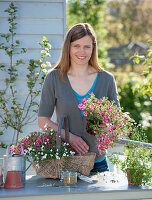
(106, 140)
(12, 149)
(110, 129)
(120, 126)
(85, 113)
(103, 114)
(83, 100)
(39, 140)
(125, 120)
(98, 102)
(81, 106)
(90, 106)
(91, 93)
(36, 143)
(26, 139)
(46, 139)
(105, 120)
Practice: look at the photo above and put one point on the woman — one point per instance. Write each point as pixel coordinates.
(75, 76)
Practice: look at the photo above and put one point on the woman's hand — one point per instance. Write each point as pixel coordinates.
(78, 144)
(102, 127)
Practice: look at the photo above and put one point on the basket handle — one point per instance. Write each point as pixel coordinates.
(64, 119)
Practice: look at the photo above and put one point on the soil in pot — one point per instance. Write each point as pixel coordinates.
(88, 129)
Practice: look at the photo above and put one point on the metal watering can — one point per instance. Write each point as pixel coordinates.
(15, 164)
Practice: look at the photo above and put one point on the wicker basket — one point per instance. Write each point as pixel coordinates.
(52, 168)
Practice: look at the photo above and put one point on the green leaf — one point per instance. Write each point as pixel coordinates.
(2, 66)
(131, 57)
(23, 50)
(18, 62)
(44, 39)
(150, 42)
(137, 60)
(3, 145)
(150, 53)
(1, 132)
(34, 103)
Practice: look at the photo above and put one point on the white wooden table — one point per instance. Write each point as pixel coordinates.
(38, 188)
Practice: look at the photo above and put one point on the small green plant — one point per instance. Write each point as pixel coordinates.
(17, 113)
(136, 164)
(138, 133)
(137, 160)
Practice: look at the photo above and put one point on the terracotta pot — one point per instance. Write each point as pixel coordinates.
(130, 175)
(13, 180)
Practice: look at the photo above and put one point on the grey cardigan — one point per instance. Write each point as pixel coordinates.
(60, 96)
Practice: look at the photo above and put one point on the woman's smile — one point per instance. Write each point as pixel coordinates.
(81, 51)
(81, 57)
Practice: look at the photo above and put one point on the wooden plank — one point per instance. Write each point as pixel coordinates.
(34, 26)
(20, 86)
(32, 41)
(64, 18)
(52, 1)
(35, 10)
(22, 72)
(8, 136)
(31, 54)
(36, 18)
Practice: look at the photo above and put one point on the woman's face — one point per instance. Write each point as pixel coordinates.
(81, 51)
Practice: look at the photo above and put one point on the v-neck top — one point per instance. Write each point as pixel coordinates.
(60, 96)
(87, 95)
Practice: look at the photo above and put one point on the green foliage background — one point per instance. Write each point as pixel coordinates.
(92, 12)
(119, 22)
(138, 105)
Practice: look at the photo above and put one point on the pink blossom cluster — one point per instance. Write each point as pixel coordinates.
(107, 120)
(42, 145)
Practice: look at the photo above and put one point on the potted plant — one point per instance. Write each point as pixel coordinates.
(47, 160)
(136, 164)
(137, 160)
(41, 145)
(106, 121)
(51, 156)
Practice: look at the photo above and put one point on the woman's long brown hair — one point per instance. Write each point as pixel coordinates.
(77, 32)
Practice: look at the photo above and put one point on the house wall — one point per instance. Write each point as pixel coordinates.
(36, 18)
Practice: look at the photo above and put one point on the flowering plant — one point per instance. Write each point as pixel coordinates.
(42, 145)
(105, 120)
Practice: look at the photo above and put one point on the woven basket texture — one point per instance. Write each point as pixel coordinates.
(53, 168)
